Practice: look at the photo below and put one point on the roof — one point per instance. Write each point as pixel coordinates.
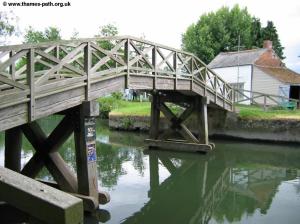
(283, 74)
(228, 59)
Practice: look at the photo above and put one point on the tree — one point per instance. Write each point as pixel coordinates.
(8, 25)
(108, 30)
(49, 34)
(256, 33)
(270, 33)
(35, 36)
(219, 31)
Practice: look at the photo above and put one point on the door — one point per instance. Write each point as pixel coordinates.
(284, 90)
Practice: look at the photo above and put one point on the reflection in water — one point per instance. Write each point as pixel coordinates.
(237, 182)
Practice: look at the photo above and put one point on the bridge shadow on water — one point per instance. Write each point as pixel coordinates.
(237, 182)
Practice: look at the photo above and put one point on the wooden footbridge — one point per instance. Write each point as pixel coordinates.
(66, 77)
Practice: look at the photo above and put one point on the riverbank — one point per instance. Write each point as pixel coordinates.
(249, 123)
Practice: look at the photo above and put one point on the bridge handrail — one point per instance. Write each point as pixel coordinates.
(76, 58)
(254, 95)
(19, 47)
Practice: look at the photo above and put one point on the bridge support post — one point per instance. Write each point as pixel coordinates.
(13, 146)
(155, 116)
(202, 119)
(166, 138)
(86, 155)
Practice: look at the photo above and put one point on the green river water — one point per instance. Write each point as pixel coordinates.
(236, 183)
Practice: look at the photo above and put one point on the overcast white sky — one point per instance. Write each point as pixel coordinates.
(161, 21)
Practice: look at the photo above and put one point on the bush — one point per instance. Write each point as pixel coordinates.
(108, 103)
(117, 95)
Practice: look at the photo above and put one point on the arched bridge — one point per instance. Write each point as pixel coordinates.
(66, 77)
(37, 80)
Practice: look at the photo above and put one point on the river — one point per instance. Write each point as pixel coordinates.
(238, 182)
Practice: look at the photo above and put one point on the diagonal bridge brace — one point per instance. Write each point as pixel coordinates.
(47, 153)
(167, 138)
(177, 123)
(85, 185)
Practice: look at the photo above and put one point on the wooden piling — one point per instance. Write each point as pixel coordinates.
(202, 120)
(155, 116)
(13, 146)
(86, 156)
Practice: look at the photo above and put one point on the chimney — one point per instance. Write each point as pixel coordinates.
(267, 44)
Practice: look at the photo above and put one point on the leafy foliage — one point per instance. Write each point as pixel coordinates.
(108, 30)
(7, 25)
(219, 31)
(270, 33)
(49, 34)
(35, 36)
(107, 104)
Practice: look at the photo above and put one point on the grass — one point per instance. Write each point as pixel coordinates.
(132, 108)
(247, 112)
(255, 112)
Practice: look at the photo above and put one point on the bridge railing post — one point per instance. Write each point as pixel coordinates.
(126, 57)
(154, 50)
(175, 69)
(30, 83)
(87, 67)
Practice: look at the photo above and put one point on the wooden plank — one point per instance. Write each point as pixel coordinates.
(11, 82)
(165, 59)
(111, 52)
(12, 111)
(12, 60)
(13, 121)
(48, 100)
(165, 83)
(138, 82)
(103, 88)
(47, 204)
(59, 106)
(142, 54)
(57, 84)
(178, 146)
(61, 64)
(139, 57)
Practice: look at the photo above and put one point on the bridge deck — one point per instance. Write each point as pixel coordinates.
(43, 79)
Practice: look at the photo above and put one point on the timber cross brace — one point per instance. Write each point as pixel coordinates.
(166, 138)
(80, 121)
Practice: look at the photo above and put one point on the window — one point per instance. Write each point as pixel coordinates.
(239, 95)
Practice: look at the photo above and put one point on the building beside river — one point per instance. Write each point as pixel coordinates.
(257, 70)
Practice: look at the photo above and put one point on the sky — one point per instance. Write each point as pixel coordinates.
(161, 21)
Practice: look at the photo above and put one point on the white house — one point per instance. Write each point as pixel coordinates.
(257, 70)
